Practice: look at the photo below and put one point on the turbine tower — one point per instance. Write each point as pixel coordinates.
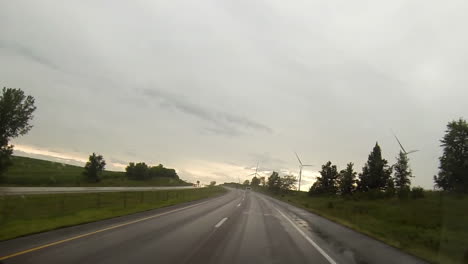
(300, 169)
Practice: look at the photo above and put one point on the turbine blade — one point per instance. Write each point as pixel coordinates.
(400, 144)
(307, 165)
(297, 156)
(412, 151)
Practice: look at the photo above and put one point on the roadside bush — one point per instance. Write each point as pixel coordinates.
(417, 193)
(390, 190)
(370, 195)
(404, 193)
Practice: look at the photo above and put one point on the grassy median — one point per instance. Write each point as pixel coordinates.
(433, 228)
(23, 215)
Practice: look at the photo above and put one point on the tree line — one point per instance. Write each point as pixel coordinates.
(141, 171)
(377, 177)
(95, 166)
(274, 183)
(381, 179)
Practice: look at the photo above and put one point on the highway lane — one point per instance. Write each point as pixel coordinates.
(239, 227)
(48, 190)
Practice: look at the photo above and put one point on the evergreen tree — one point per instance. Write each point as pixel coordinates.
(347, 180)
(390, 188)
(402, 172)
(375, 173)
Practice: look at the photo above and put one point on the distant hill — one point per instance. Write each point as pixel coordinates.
(35, 172)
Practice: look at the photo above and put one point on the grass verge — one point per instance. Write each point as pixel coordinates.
(434, 228)
(23, 215)
(35, 172)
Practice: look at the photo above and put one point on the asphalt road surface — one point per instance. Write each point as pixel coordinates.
(45, 190)
(238, 227)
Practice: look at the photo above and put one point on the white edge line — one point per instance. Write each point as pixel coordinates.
(319, 249)
(221, 222)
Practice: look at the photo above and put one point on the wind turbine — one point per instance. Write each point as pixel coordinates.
(256, 170)
(401, 146)
(300, 169)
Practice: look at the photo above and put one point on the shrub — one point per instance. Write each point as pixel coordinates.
(404, 193)
(417, 192)
(375, 194)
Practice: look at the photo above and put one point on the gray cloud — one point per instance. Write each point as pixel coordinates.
(307, 182)
(130, 153)
(28, 53)
(222, 130)
(120, 161)
(223, 123)
(266, 161)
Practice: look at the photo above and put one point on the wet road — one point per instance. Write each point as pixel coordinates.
(238, 227)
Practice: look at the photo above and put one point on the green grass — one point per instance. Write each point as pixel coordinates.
(23, 215)
(35, 172)
(434, 228)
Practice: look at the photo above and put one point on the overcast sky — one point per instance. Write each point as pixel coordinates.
(213, 87)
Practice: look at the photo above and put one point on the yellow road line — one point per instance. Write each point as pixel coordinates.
(95, 232)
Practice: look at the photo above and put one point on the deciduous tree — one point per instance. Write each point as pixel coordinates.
(274, 182)
(453, 168)
(94, 167)
(262, 181)
(288, 182)
(16, 111)
(255, 181)
(141, 171)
